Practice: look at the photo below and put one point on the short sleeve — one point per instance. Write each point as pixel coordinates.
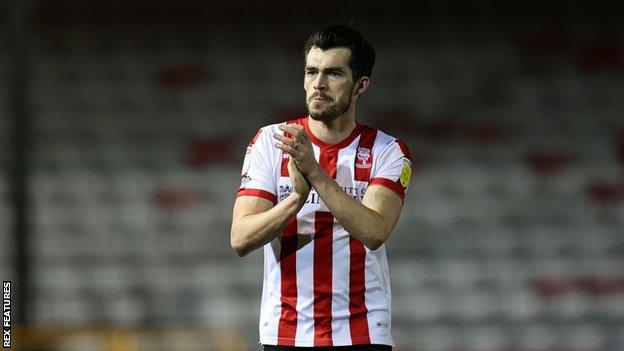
(395, 168)
(257, 176)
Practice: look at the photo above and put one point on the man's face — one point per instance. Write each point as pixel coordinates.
(328, 83)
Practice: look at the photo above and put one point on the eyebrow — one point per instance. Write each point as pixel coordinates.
(339, 69)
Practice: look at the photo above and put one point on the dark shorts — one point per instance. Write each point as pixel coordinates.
(329, 348)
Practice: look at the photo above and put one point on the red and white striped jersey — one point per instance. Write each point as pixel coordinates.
(323, 287)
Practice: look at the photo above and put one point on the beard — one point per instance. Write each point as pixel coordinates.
(330, 112)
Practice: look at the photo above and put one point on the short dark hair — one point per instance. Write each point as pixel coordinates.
(362, 57)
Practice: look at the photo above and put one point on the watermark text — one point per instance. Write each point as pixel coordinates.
(6, 314)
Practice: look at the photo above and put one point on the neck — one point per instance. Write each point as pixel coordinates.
(334, 131)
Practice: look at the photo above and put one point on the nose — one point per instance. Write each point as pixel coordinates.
(319, 82)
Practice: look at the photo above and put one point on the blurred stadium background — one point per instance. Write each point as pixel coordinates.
(123, 124)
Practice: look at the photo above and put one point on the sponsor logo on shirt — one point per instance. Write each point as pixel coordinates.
(357, 193)
(284, 191)
(244, 180)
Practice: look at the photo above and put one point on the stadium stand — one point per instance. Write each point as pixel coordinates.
(512, 232)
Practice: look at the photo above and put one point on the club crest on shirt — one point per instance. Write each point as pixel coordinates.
(362, 158)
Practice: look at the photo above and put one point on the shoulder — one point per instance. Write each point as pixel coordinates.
(387, 142)
(273, 128)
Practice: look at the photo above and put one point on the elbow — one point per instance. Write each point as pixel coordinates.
(376, 239)
(374, 244)
(239, 250)
(239, 247)
(376, 234)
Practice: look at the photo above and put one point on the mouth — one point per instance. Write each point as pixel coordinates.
(320, 98)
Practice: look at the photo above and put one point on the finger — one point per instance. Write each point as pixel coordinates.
(287, 149)
(303, 135)
(288, 141)
(298, 127)
(300, 130)
(290, 128)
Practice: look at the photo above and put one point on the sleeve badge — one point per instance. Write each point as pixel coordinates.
(406, 173)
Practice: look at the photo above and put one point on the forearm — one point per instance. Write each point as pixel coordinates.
(358, 220)
(252, 231)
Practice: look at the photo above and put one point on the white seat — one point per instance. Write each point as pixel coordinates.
(484, 337)
(536, 336)
(583, 337)
(436, 338)
(519, 304)
(473, 305)
(423, 306)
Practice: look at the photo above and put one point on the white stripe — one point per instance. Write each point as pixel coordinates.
(341, 333)
(270, 310)
(377, 296)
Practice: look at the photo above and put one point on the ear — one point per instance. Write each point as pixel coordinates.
(361, 86)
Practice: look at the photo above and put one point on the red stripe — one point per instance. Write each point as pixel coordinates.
(284, 168)
(284, 165)
(358, 321)
(404, 149)
(259, 193)
(285, 160)
(253, 141)
(288, 262)
(323, 255)
(328, 159)
(395, 186)
(363, 167)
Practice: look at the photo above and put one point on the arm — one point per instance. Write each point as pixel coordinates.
(255, 221)
(371, 221)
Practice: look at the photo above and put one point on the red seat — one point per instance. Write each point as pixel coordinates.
(605, 56)
(486, 132)
(547, 163)
(544, 43)
(599, 286)
(605, 193)
(176, 198)
(549, 288)
(180, 76)
(442, 129)
(206, 151)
